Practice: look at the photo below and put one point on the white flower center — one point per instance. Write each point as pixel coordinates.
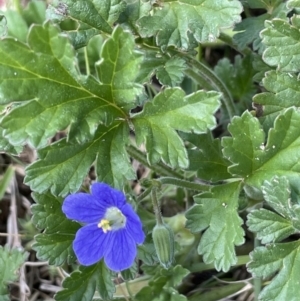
(113, 220)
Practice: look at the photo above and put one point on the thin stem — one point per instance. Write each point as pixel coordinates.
(156, 207)
(184, 184)
(210, 76)
(143, 194)
(159, 168)
(86, 59)
(202, 82)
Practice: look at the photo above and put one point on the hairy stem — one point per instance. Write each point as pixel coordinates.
(210, 76)
(156, 207)
(184, 184)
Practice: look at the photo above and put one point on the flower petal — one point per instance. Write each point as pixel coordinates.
(91, 243)
(133, 224)
(84, 208)
(107, 195)
(122, 252)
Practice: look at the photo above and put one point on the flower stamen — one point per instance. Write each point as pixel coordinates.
(113, 220)
(105, 225)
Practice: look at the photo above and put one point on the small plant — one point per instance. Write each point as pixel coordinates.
(127, 81)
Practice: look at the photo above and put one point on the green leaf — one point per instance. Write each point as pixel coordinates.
(10, 262)
(169, 71)
(118, 69)
(171, 110)
(82, 284)
(250, 28)
(35, 12)
(269, 226)
(284, 92)
(207, 158)
(274, 227)
(171, 74)
(147, 253)
(181, 23)
(91, 17)
(256, 161)
(216, 211)
(281, 40)
(44, 78)
(55, 243)
(63, 165)
(97, 14)
(161, 286)
(3, 26)
(282, 258)
(245, 147)
(82, 35)
(135, 9)
(238, 78)
(6, 147)
(5, 180)
(16, 25)
(266, 4)
(130, 273)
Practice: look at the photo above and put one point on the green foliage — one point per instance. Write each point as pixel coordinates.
(283, 93)
(182, 23)
(250, 28)
(207, 158)
(169, 111)
(281, 38)
(238, 78)
(161, 287)
(273, 227)
(110, 75)
(216, 211)
(258, 161)
(55, 243)
(10, 262)
(82, 284)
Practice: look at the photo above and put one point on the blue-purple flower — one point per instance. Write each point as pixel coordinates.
(112, 229)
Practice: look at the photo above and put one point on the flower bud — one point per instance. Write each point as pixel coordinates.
(163, 239)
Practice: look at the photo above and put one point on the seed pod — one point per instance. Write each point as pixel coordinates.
(163, 238)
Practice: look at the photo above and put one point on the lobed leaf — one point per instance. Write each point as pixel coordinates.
(282, 43)
(63, 165)
(207, 158)
(283, 93)
(269, 226)
(249, 29)
(43, 78)
(135, 9)
(161, 286)
(169, 71)
(55, 243)
(216, 211)
(82, 284)
(282, 258)
(244, 148)
(274, 227)
(10, 262)
(171, 110)
(256, 161)
(181, 23)
(99, 15)
(238, 78)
